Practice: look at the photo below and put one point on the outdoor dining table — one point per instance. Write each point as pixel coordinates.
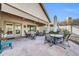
(55, 36)
(30, 33)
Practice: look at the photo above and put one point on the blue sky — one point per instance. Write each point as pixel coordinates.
(62, 10)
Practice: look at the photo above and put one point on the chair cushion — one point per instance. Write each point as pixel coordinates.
(6, 43)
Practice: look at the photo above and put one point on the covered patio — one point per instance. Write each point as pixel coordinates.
(28, 47)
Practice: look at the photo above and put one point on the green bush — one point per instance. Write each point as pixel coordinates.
(66, 32)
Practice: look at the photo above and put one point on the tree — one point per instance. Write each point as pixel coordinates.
(70, 22)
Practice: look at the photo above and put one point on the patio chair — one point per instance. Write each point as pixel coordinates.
(65, 43)
(59, 39)
(44, 32)
(37, 33)
(33, 36)
(48, 39)
(4, 44)
(40, 33)
(67, 39)
(26, 34)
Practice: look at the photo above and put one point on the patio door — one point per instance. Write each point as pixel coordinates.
(9, 29)
(31, 28)
(12, 29)
(17, 29)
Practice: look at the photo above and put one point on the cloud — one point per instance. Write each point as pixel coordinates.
(72, 10)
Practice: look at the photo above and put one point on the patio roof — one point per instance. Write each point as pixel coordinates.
(45, 11)
(25, 14)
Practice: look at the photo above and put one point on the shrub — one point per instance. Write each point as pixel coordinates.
(66, 32)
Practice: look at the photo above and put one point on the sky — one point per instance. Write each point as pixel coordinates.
(62, 10)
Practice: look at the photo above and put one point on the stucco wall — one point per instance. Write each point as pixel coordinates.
(1, 21)
(41, 28)
(15, 19)
(5, 17)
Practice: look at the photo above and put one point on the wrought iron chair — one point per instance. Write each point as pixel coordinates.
(33, 36)
(37, 33)
(26, 34)
(65, 42)
(67, 39)
(48, 39)
(44, 32)
(59, 39)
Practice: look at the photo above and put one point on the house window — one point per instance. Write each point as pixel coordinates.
(31, 28)
(9, 29)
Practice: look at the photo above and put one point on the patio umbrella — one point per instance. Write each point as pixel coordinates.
(55, 24)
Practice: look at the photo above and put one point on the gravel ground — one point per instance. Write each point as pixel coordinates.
(27, 47)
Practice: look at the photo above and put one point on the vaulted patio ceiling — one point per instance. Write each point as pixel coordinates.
(25, 15)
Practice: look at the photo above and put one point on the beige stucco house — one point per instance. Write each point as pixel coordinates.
(17, 17)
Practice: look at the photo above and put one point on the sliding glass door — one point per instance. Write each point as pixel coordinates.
(18, 29)
(9, 29)
(12, 29)
(31, 28)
